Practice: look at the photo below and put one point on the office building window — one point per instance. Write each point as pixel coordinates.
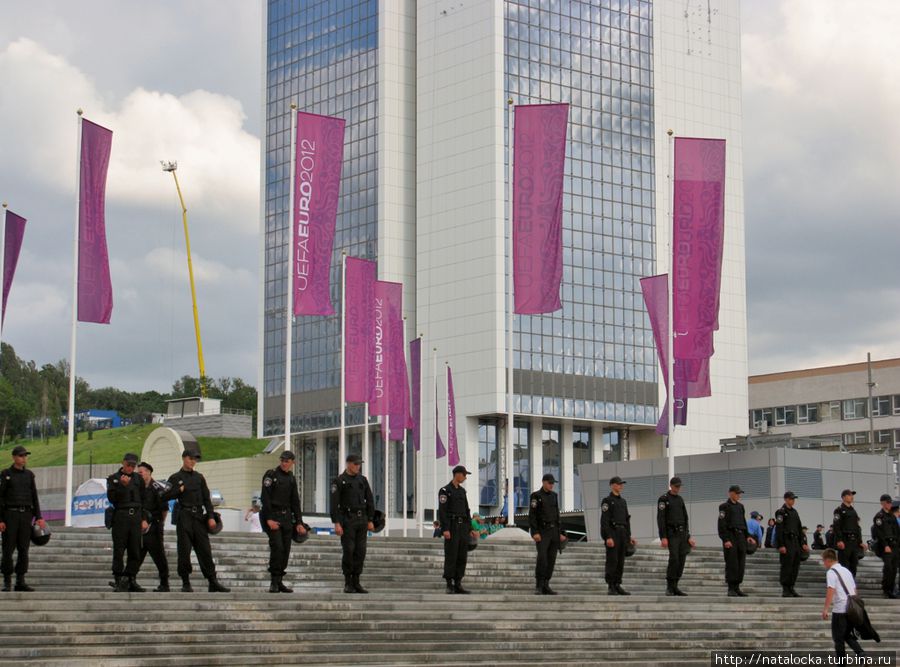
(308, 475)
(581, 454)
(488, 467)
(881, 406)
(612, 445)
(552, 455)
(855, 408)
(808, 414)
(522, 464)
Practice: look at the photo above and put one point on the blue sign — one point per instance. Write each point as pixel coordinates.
(94, 504)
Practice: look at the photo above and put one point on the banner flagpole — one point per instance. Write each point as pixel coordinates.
(387, 474)
(289, 301)
(420, 506)
(403, 443)
(434, 434)
(670, 334)
(510, 416)
(365, 438)
(70, 436)
(342, 448)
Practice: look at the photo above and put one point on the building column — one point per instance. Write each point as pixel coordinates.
(537, 454)
(566, 469)
(323, 484)
(596, 443)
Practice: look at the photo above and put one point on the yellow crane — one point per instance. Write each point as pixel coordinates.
(171, 167)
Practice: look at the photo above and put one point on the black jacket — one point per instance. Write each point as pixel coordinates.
(279, 493)
(18, 489)
(543, 509)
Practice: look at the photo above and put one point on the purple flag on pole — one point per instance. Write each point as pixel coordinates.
(415, 364)
(538, 165)
(440, 450)
(12, 244)
(358, 348)
(379, 385)
(319, 154)
(452, 443)
(699, 230)
(656, 296)
(399, 382)
(95, 298)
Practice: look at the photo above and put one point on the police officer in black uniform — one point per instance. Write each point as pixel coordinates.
(19, 507)
(125, 491)
(887, 534)
(615, 529)
(456, 527)
(352, 512)
(733, 533)
(278, 517)
(674, 533)
(790, 540)
(847, 532)
(543, 521)
(194, 520)
(155, 511)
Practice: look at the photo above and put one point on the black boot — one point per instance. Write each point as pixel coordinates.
(282, 588)
(621, 590)
(786, 592)
(612, 590)
(21, 585)
(739, 592)
(134, 586)
(163, 585)
(670, 588)
(546, 590)
(459, 588)
(273, 587)
(186, 585)
(538, 586)
(732, 591)
(677, 590)
(794, 593)
(216, 587)
(7, 583)
(451, 589)
(348, 584)
(122, 584)
(356, 585)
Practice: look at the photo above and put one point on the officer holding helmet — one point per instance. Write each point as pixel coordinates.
(456, 527)
(125, 491)
(279, 514)
(352, 513)
(19, 507)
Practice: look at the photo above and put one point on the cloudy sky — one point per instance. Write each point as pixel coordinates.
(179, 80)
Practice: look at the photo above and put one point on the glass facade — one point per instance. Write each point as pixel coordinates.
(552, 454)
(522, 464)
(581, 453)
(321, 55)
(597, 56)
(488, 467)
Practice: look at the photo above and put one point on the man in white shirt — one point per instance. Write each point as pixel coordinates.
(841, 632)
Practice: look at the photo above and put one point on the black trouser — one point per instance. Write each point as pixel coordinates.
(615, 555)
(547, 549)
(849, 555)
(279, 542)
(353, 542)
(842, 633)
(16, 538)
(889, 572)
(678, 551)
(126, 537)
(735, 558)
(456, 549)
(153, 544)
(191, 533)
(790, 561)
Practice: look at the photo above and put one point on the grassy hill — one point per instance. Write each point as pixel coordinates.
(109, 445)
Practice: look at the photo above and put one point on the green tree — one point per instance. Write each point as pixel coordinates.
(14, 412)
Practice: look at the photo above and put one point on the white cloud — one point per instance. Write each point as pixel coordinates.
(172, 264)
(203, 131)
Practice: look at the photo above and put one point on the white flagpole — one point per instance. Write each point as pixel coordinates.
(342, 448)
(70, 438)
(387, 474)
(670, 338)
(365, 438)
(289, 301)
(420, 506)
(434, 434)
(403, 444)
(2, 259)
(510, 416)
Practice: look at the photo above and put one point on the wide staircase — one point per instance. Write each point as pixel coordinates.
(74, 618)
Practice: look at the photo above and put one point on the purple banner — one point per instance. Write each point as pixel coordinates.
(452, 442)
(12, 244)
(358, 328)
(399, 374)
(439, 450)
(95, 298)
(379, 387)
(415, 365)
(319, 155)
(699, 230)
(538, 165)
(656, 297)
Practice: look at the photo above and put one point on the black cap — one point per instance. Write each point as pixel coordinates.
(287, 456)
(461, 469)
(353, 458)
(848, 492)
(19, 450)
(675, 481)
(144, 464)
(734, 488)
(548, 478)
(886, 498)
(755, 515)
(789, 494)
(131, 457)
(617, 480)
(192, 453)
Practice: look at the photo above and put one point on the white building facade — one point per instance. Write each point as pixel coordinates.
(426, 196)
